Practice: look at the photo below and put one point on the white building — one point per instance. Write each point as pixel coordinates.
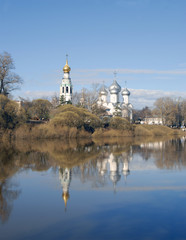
(114, 106)
(153, 121)
(66, 85)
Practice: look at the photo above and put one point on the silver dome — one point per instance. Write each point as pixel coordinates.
(115, 87)
(125, 91)
(103, 91)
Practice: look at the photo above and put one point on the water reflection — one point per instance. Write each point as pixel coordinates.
(65, 179)
(109, 166)
(114, 165)
(101, 162)
(7, 196)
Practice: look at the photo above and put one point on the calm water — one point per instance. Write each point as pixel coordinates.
(116, 189)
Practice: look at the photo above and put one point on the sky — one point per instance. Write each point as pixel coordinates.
(143, 40)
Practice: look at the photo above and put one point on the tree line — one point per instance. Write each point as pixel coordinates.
(171, 111)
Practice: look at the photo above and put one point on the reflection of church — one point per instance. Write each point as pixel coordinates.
(65, 179)
(110, 167)
(113, 166)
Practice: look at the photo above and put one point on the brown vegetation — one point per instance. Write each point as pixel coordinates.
(68, 122)
(155, 130)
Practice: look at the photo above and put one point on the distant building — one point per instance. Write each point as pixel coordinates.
(20, 104)
(152, 121)
(114, 106)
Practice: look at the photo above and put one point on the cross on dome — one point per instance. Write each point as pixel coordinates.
(66, 68)
(115, 74)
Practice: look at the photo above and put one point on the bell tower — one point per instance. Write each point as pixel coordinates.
(66, 84)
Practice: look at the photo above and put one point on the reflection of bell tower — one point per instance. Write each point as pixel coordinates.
(65, 179)
(114, 170)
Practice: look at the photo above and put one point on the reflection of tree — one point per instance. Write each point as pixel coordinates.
(11, 160)
(88, 160)
(170, 154)
(7, 195)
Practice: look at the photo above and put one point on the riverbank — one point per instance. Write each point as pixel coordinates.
(48, 131)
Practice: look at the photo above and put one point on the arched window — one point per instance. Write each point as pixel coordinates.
(70, 90)
(63, 90)
(66, 89)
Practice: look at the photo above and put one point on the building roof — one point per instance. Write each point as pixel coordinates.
(125, 91)
(115, 87)
(103, 91)
(66, 68)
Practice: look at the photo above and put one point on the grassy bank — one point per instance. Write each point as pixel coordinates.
(50, 131)
(70, 122)
(105, 133)
(156, 130)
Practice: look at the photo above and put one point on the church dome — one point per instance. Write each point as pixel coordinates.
(66, 68)
(103, 91)
(115, 87)
(125, 91)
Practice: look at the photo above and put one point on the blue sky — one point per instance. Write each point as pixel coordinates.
(144, 40)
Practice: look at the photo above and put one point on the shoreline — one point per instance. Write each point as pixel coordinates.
(45, 132)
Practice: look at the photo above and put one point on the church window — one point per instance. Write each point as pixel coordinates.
(63, 90)
(66, 89)
(70, 90)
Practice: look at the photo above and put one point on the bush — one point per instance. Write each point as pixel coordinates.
(70, 119)
(11, 114)
(71, 116)
(120, 123)
(40, 109)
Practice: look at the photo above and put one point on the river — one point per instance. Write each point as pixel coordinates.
(125, 188)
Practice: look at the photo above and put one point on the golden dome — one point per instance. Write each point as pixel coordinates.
(65, 197)
(66, 68)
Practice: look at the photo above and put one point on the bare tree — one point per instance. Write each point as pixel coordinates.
(141, 114)
(90, 96)
(9, 81)
(167, 109)
(183, 111)
(55, 101)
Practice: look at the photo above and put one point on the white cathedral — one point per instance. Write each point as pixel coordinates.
(113, 106)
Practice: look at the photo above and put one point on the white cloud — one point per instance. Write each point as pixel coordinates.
(38, 94)
(143, 97)
(135, 71)
(182, 65)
